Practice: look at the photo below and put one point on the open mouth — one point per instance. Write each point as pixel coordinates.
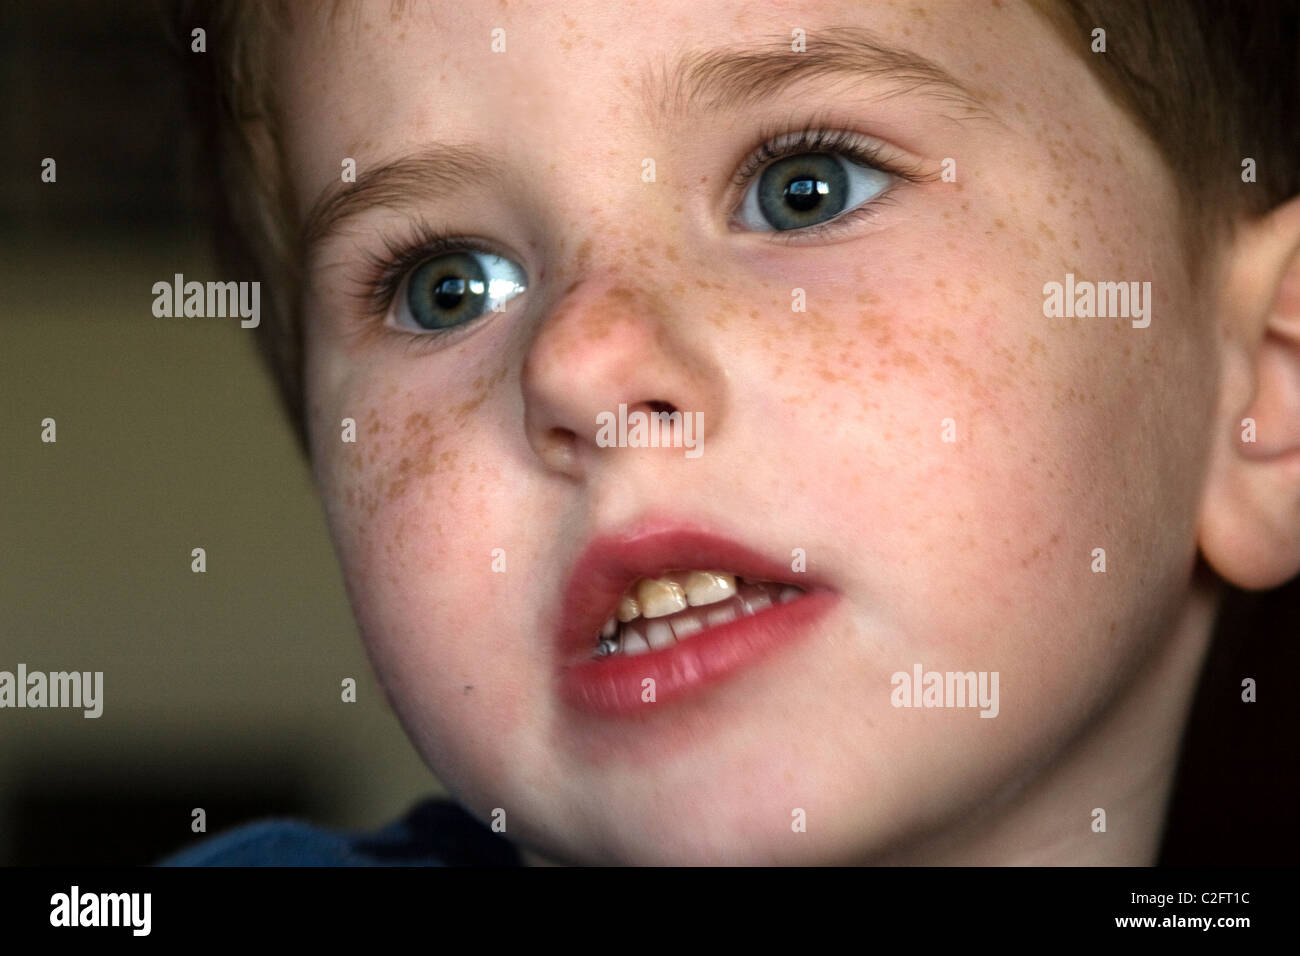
(656, 613)
(633, 632)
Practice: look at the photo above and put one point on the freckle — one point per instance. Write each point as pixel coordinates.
(999, 223)
(1020, 108)
(704, 179)
(908, 360)
(677, 207)
(1042, 227)
(465, 407)
(670, 253)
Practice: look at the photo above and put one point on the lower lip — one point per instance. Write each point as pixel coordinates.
(614, 686)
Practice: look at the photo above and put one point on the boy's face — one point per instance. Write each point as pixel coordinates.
(823, 430)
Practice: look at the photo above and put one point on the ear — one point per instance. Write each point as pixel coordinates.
(1250, 509)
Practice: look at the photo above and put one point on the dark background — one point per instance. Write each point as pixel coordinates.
(222, 690)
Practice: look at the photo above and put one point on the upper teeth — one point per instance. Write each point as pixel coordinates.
(628, 630)
(659, 597)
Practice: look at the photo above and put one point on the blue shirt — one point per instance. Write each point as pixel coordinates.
(433, 833)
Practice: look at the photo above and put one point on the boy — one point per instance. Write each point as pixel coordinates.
(987, 320)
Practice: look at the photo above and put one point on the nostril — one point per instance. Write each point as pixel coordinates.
(657, 407)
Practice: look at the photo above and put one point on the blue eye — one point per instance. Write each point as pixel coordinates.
(808, 189)
(454, 288)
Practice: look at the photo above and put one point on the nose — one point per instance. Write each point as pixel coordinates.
(607, 345)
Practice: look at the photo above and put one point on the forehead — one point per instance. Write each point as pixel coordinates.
(525, 80)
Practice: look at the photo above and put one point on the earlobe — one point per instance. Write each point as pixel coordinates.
(1250, 510)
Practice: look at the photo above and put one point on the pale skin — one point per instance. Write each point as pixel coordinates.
(823, 431)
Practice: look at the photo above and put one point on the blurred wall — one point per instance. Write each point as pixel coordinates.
(221, 689)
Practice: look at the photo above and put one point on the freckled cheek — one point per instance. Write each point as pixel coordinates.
(391, 450)
(894, 357)
(957, 401)
(415, 511)
(409, 505)
(402, 492)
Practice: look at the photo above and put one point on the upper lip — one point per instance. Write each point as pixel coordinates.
(613, 560)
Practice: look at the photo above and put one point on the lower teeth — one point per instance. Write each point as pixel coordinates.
(629, 639)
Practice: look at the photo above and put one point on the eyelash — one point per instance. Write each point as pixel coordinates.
(818, 138)
(384, 272)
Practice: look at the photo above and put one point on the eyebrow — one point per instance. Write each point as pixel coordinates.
(729, 78)
(717, 80)
(427, 175)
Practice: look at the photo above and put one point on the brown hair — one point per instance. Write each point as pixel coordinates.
(252, 210)
(1212, 82)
